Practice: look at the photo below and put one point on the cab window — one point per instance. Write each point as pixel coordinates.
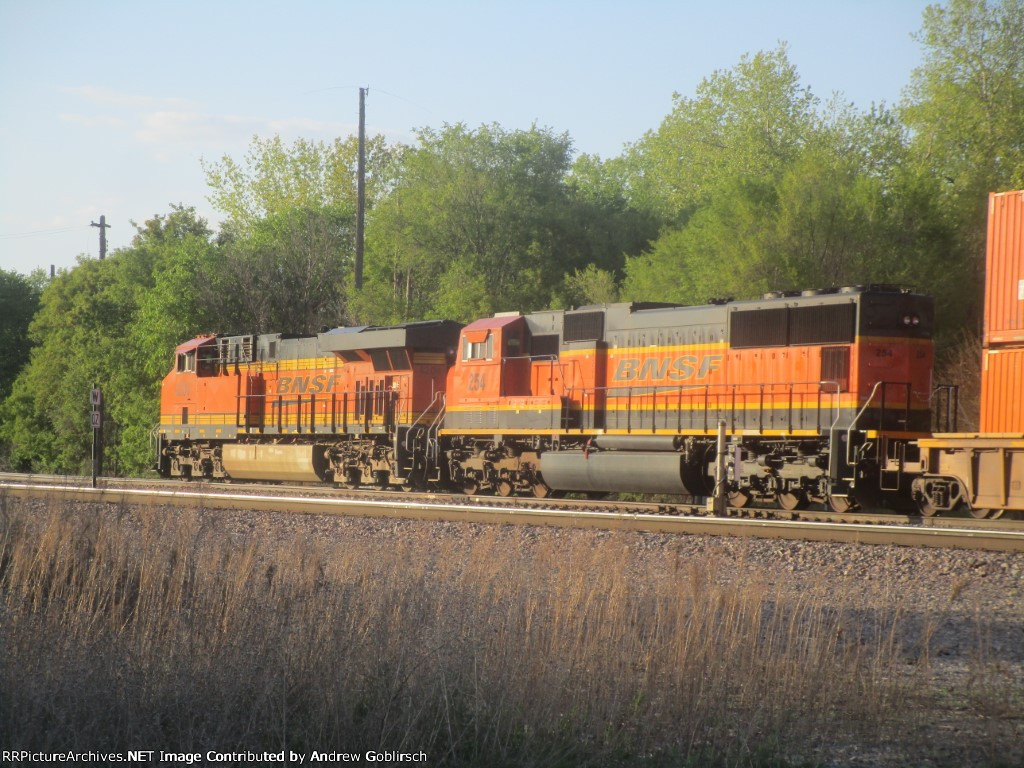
(478, 350)
(187, 362)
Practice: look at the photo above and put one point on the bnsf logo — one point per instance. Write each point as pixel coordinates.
(307, 385)
(677, 369)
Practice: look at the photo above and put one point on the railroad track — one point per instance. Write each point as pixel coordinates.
(686, 518)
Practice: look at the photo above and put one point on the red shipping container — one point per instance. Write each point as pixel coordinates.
(1002, 390)
(1004, 275)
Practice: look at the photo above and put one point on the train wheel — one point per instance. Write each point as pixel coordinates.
(841, 504)
(695, 478)
(995, 514)
(739, 499)
(416, 481)
(793, 501)
(541, 490)
(504, 488)
(979, 514)
(926, 508)
(470, 486)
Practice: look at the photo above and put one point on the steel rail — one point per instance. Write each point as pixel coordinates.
(673, 508)
(911, 536)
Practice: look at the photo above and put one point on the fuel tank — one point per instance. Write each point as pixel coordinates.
(614, 471)
(290, 463)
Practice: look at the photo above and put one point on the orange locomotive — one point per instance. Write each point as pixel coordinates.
(347, 405)
(816, 389)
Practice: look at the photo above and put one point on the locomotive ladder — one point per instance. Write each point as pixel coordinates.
(846, 468)
(428, 434)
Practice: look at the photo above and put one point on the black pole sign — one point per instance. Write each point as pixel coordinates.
(96, 398)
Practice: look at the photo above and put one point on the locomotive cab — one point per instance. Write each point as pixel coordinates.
(184, 391)
(497, 383)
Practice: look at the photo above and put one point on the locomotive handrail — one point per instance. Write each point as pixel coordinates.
(723, 398)
(439, 395)
(378, 406)
(433, 450)
(951, 403)
(853, 423)
(849, 430)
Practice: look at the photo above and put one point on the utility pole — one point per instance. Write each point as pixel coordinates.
(103, 235)
(361, 189)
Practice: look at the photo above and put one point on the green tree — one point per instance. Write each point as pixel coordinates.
(774, 192)
(19, 300)
(747, 122)
(287, 274)
(605, 226)
(808, 195)
(273, 178)
(488, 219)
(182, 296)
(477, 218)
(965, 102)
(81, 325)
(590, 285)
(112, 323)
(965, 109)
(723, 250)
(291, 229)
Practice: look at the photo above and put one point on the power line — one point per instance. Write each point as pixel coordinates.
(38, 233)
(375, 90)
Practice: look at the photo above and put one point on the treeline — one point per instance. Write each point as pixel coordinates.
(752, 183)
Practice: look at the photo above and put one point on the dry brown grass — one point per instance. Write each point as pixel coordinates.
(152, 629)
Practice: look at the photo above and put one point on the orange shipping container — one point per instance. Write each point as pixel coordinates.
(1004, 280)
(1002, 390)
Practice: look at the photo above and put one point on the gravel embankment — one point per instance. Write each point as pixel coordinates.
(966, 594)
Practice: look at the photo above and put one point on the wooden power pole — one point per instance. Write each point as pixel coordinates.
(103, 235)
(361, 189)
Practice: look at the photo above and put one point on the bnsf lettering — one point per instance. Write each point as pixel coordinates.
(678, 369)
(307, 385)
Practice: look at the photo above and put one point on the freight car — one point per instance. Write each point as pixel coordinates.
(822, 394)
(984, 472)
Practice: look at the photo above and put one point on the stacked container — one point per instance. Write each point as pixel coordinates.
(1002, 371)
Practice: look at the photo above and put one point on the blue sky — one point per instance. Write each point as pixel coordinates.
(107, 107)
